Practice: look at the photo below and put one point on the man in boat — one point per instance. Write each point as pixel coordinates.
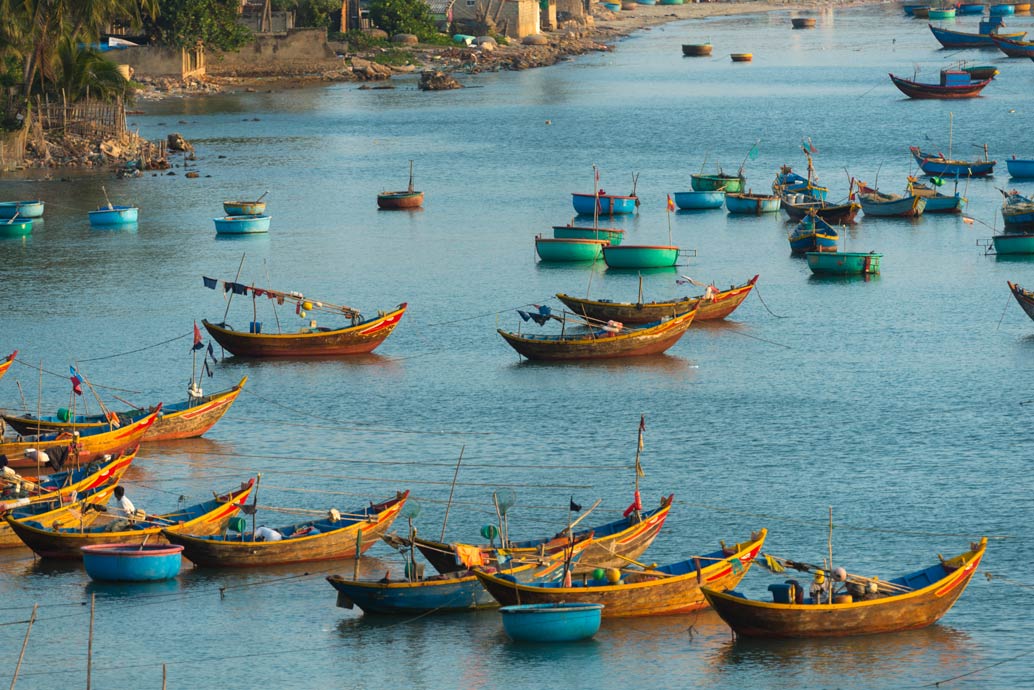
(264, 533)
(819, 589)
(126, 514)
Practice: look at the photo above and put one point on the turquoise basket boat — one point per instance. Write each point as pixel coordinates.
(563, 622)
(641, 256)
(114, 215)
(1013, 244)
(241, 225)
(944, 13)
(697, 201)
(703, 182)
(1002, 10)
(603, 204)
(15, 228)
(132, 562)
(970, 8)
(754, 204)
(844, 263)
(23, 209)
(553, 249)
(581, 232)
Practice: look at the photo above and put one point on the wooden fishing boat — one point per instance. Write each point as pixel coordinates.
(245, 208)
(1014, 48)
(1025, 298)
(582, 232)
(908, 602)
(752, 204)
(803, 22)
(844, 263)
(553, 249)
(405, 199)
(113, 215)
(64, 537)
(314, 540)
(718, 182)
(87, 447)
(600, 343)
(613, 543)
(49, 510)
(1017, 212)
(21, 209)
(187, 419)
(641, 256)
(1020, 168)
(62, 488)
(787, 182)
(697, 201)
(962, 39)
(1013, 244)
(132, 562)
(970, 8)
(798, 206)
(813, 234)
(718, 305)
(936, 202)
(360, 337)
(936, 164)
(625, 592)
(955, 83)
(6, 363)
(15, 227)
(877, 203)
(910, 9)
(696, 49)
(604, 204)
(741, 57)
(241, 225)
(941, 13)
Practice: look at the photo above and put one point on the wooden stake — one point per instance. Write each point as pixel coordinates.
(165, 677)
(358, 553)
(25, 643)
(448, 505)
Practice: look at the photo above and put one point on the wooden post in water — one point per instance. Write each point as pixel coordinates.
(25, 643)
(165, 677)
(358, 553)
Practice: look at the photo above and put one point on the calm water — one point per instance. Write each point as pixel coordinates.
(896, 400)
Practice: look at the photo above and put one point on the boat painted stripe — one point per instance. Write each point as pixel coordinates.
(963, 575)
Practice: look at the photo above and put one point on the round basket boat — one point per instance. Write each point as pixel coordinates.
(132, 562)
(15, 227)
(696, 49)
(803, 22)
(561, 622)
(742, 57)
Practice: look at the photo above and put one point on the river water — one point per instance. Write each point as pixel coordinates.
(898, 400)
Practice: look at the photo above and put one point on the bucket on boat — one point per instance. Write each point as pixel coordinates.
(255, 327)
(63, 414)
(238, 524)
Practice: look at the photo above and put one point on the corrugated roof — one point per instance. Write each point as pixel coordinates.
(440, 6)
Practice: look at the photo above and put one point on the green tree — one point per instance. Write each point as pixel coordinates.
(84, 71)
(322, 14)
(213, 22)
(403, 17)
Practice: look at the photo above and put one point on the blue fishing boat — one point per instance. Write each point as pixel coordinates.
(241, 225)
(21, 209)
(1019, 167)
(562, 622)
(1013, 243)
(15, 227)
(753, 204)
(962, 39)
(132, 562)
(877, 203)
(788, 182)
(970, 8)
(583, 232)
(937, 202)
(604, 204)
(697, 201)
(1014, 48)
(552, 249)
(844, 263)
(813, 234)
(1017, 212)
(113, 215)
(1002, 10)
(938, 165)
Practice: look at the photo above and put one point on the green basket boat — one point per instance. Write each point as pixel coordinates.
(577, 232)
(719, 182)
(640, 256)
(844, 263)
(15, 228)
(1013, 244)
(553, 249)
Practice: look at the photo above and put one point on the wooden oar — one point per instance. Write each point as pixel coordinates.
(11, 219)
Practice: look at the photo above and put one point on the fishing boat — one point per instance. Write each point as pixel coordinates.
(606, 342)
(1014, 48)
(553, 249)
(696, 49)
(962, 39)
(604, 204)
(1020, 168)
(22, 491)
(698, 201)
(132, 562)
(714, 304)
(937, 13)
(1013, 243)
(955, 83)
(906, 602)
(339, 535)
(798, 206)
(82, 446)
(15, 227)
(405, 199)
(583, 232)
(645, 591)
(936, 202)
(877, 203)
(44, 511)
(188, 419)
(64, 537)
(741, 57)
(6, 363)
(803, 22)
(1025, 298)
(844, 263)
(613, 543)
(970, 8)
(939, 165)
(718, 182)
(910, 9)
(30, 209)
(753, 204)
(1017, 212)
(113, 215)
(1021, 7)
(551, 623)
(788, 182)
(359, 337)
(641, 255)
(813, 234)
(241, 225)
(245, 208)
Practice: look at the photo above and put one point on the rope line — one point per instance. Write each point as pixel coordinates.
(141, 349)
(490, 313)
(939, 683)
(766, 304)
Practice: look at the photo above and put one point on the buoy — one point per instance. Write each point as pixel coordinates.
(598, 574)
(489, 532)
(613, 576)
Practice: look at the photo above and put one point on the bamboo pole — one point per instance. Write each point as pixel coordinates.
(25, 643)
(452, 489)
(241, 266)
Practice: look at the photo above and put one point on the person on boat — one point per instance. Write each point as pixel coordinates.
(819, 589)
(264, 533)
(124, 512)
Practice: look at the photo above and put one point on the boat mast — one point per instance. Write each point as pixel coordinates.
(241, 266)
(951, 126)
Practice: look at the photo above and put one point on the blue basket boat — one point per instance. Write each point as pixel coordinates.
(696, 201)
(970, 8)
(21, 209)
(113, 215)
(753, 204)
(241, 225)
(1020, 168)
(132, 562)
(563, 622)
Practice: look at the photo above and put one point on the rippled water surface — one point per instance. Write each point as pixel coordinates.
(895, 400)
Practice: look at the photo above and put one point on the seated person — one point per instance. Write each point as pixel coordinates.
(264, 533)
(124, 512)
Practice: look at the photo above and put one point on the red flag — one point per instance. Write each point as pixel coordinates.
(77, 387)
(197, 338)
(671, 204)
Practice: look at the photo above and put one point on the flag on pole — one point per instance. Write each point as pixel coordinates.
(574, 507)
(197, 338)
(207, 370)
(754, 152)
(808, 146)
(77, 381)
(642, 427)
(671, 204)
(211, 353)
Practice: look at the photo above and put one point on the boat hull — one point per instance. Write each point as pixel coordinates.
(717, 183)
(1015, 48)
(21, 209)
(90, 446)
(640, 256)
(844, 263)
(941, 13)
(1020, 168)
(803, 22)
(813, 235)
(1025, 298)
(552, 249)
(1013, 244)
(603, 204)
(132, 562)
(797, 209)
(696, 201)
(914, 89)
(560, 622)
(576, 232)
(936, 165)
(752, 204)
(352, 340)
(244, 208)
(241, 225)
(970, 8)
(444, 595)
(719, 306)
(395, 201)
(117, 215)
(651, 339)
(905, 207)
(961, 39)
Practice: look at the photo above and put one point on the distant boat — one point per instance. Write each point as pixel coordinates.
(955, 83)
(813, 234)
(1017, 212)
(797, 206)
(553, 249)
(1002, 10)
(714, 304)
(970, 8)
(941, 13)
(245, 208)
(1024, 297)
(961, 39)
(803, 22)
(788, 182)
(1014, 48)
(405, 199)
(844, 263)
(1019, 167)
(241, 225)
(936, 164)
(742, 57)
(697, 201)
(910, 9)
(936, 202)
(705, 182)
(696, 49)
(584, 232)
(21, 209)
(754, 204)
(921, 12)
(877, 203)
(113, 215)
(604, 204)
(641, 256)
